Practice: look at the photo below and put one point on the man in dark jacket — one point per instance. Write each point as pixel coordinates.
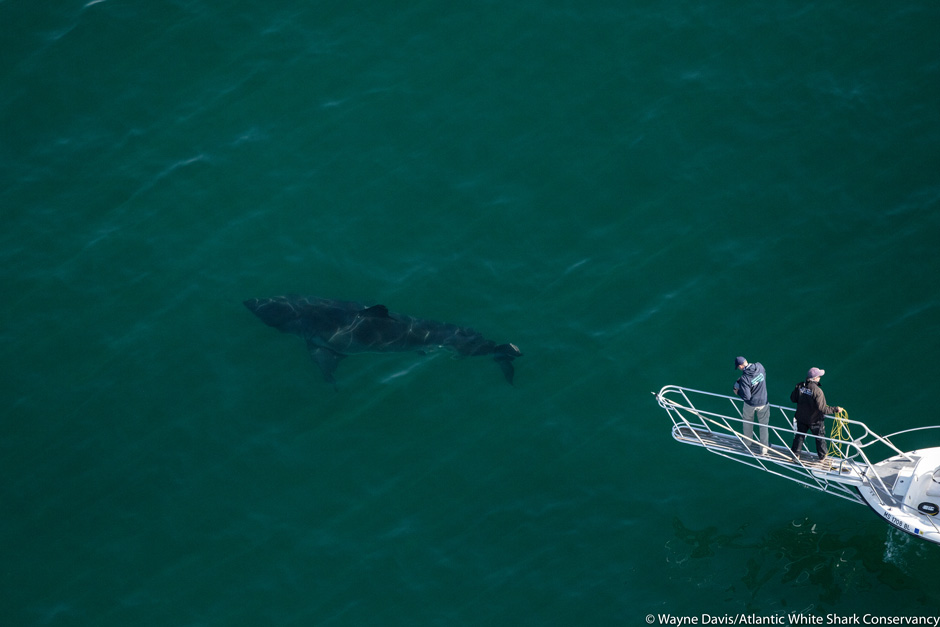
(811, 412)
(751, 387)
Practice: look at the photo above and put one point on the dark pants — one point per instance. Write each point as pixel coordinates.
(818, 429)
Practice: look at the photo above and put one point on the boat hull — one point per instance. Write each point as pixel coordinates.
(906, 493)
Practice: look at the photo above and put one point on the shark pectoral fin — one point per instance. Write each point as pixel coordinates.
(376, 311)
(327, 360)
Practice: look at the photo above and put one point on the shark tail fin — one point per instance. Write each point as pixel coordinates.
(503, 355)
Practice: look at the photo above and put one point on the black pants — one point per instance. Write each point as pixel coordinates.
(818, 429)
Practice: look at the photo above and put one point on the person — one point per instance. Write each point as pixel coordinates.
(751, 387)
(811, 412)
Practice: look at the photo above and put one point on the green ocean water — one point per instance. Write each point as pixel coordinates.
(633, 193)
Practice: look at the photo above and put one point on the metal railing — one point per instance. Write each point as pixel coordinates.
(707, 424)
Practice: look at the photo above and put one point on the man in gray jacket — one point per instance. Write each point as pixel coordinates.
(751, 387)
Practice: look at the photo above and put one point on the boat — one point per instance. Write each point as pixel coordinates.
(903, 488)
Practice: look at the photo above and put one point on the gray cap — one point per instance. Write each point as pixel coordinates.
(815, 372)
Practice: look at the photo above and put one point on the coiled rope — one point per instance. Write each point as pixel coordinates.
(840, 435)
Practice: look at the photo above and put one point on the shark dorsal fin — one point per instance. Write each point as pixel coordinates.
(376, 311)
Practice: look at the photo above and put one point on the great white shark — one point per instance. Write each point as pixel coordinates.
(334, 329)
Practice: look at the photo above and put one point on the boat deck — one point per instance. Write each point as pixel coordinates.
(716, 422)
(733, 445)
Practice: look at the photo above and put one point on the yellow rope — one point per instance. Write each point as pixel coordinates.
(840, 434)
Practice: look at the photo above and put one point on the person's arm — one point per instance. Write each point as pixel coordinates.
(820, 399)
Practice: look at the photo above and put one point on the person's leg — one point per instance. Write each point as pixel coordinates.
(798, 438)
(822, 447)
(763, 417)
(748, 415)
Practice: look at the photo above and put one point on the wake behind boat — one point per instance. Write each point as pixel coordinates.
(903, 489)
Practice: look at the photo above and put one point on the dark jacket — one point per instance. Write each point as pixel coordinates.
(752, 385)
(810, 403)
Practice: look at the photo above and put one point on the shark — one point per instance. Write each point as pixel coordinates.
(334, 329)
